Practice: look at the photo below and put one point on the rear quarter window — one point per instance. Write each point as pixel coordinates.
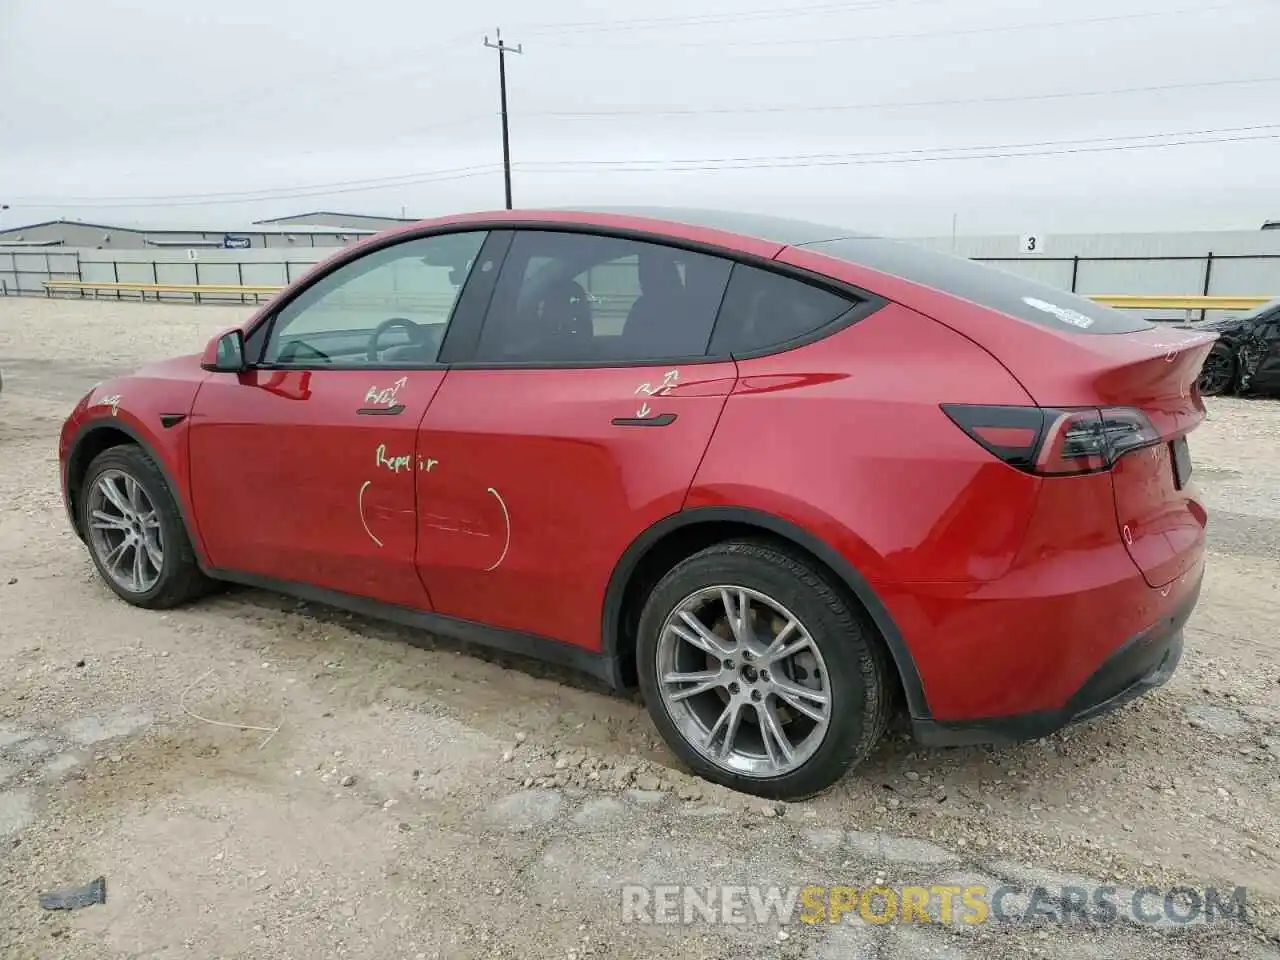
(763, 310)
(986, 286)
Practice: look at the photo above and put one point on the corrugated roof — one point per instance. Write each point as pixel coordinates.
(235, 229)
(334, 213)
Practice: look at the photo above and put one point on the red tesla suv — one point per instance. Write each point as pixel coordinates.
(784, 478)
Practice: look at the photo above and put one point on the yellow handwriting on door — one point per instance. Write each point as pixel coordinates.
(394, 464)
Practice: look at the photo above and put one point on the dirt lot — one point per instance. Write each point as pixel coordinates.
(436, 801)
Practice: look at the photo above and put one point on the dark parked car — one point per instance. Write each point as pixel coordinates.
(1246, 358)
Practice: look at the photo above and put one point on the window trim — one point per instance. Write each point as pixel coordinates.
(867, 304)
(264, 325)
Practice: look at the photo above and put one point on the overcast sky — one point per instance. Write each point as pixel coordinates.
(140, 110)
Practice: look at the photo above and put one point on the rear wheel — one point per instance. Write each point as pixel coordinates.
(759, 673)
(1219, 371)
(135, 532)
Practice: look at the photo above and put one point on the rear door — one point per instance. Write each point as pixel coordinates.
(303, 468)
(575, 421)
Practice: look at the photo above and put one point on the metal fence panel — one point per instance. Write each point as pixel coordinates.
(1232, 275)
(264, 274)
(1055, 273)
(136, 272)
(1247, 266)
(176, 273)
(96, 272)
(1145, 276)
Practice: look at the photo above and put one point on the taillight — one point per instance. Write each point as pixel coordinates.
(1053, 442)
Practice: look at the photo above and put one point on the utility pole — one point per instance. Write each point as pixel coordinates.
(503, 49)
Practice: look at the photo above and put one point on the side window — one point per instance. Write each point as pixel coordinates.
(389, 306)
(763, 309)
(577, 297)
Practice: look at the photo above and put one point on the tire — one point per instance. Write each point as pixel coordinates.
(179, 577)
(849, 665)
(1218, 375)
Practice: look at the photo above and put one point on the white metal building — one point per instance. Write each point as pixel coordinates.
(129, 236)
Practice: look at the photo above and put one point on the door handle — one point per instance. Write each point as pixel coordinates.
(381, 411)
(661, 420)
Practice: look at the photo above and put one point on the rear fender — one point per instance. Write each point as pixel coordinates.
(783, 529)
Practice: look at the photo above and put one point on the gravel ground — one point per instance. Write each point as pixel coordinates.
(431, 800)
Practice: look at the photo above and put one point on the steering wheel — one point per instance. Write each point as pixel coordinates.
(290, 352)
(414, 330)
(565, 311)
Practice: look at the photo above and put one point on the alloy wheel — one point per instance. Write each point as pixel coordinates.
(124, 531)
(743, 681)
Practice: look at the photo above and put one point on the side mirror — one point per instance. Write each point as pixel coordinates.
(225, 353)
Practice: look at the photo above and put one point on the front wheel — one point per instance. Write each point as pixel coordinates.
(1218, 373)
(759, 673)
(135, 532)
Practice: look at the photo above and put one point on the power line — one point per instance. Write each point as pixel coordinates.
(880, 153)
(264, 199)
(893, 104)
(280, 193)
(715, 19)
(856, 162)
(988, 151)
(799, 161)
(275, 191)
(970, 31)
(971, 152)
(503, 49)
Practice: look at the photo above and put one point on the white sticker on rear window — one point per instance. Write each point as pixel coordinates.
(1073, 317)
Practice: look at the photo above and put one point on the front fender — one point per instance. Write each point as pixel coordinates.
(155, 419)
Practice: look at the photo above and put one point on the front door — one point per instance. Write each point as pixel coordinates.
(303, 468)
(578, 423)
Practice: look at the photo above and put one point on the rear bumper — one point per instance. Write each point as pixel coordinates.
(1140, 665)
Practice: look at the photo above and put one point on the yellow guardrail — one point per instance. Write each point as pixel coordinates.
(1141, 302)
(159, 288)
(1123, 301)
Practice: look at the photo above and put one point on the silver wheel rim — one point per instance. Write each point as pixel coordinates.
(124, 532)
(743, 681)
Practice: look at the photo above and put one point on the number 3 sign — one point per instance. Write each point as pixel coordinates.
(1031, 243)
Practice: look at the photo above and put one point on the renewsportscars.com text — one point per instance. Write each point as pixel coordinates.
(942, 903)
